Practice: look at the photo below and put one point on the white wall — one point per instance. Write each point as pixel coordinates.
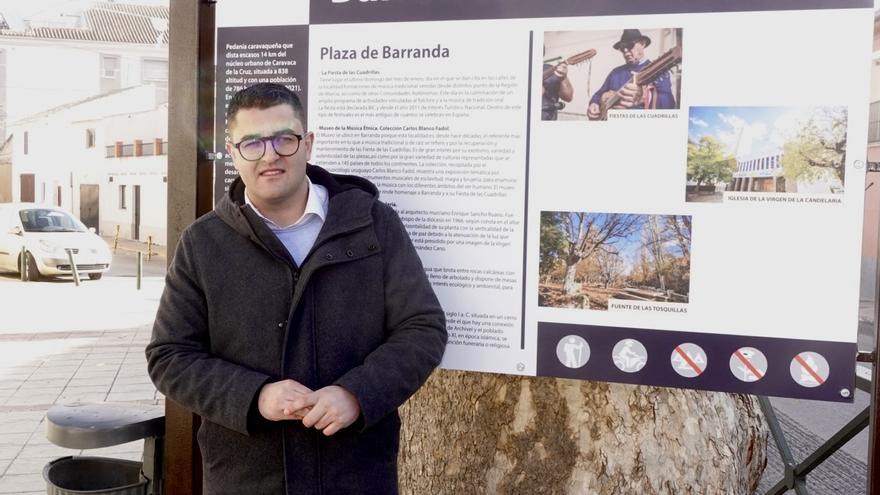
(34, 68)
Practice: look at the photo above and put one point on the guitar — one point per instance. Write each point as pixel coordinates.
(646, 76)
(572, 60)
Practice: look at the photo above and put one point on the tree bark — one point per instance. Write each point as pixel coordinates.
(502, 434)
(570, 287)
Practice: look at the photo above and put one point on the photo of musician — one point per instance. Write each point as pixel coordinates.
(621, 81)
(648, 79)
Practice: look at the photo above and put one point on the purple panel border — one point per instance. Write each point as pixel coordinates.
(363, 11)
(841, 357)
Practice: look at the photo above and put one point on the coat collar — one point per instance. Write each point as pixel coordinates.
(350, 206)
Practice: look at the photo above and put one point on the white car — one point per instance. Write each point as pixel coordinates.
(47, 233)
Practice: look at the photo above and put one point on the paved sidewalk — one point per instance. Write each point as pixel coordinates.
(94, 361)
(136, 246)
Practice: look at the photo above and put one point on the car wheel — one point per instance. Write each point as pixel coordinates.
(33, 273)
(95, 276)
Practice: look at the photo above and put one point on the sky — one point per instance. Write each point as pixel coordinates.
(747, 132)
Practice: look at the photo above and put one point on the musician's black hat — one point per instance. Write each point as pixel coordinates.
(632, 35)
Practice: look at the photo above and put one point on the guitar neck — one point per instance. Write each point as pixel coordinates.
(651, 72)
(658, 67)
(574, 59)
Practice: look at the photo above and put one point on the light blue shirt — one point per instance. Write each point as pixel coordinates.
(300, 237)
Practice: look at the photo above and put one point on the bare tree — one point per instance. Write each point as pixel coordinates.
(589, 232)
(680, 225)
(655, 237)
(610, 266)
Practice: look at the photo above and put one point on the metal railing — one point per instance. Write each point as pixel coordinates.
(795, 473)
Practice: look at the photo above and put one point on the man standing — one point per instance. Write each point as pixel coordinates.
(296, 318)
(658, 94)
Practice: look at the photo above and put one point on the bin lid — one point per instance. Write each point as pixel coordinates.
(89, 426)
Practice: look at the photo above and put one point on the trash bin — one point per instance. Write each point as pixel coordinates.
(92, 426)
(94, 475)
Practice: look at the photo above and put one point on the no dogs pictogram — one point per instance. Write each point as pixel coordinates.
(748, 364)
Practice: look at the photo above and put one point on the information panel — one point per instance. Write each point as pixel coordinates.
(634, 192)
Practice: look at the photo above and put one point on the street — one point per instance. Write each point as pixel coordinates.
(60, 344)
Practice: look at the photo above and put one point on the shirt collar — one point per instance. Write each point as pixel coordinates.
(316, 204)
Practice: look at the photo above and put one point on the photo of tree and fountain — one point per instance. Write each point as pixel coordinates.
(588, 258)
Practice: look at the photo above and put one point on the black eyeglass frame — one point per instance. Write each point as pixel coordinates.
(271, 139)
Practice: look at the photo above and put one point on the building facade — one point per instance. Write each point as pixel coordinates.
(75, 85)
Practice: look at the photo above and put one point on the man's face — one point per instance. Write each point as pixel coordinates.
(634, 52)
(273, 179)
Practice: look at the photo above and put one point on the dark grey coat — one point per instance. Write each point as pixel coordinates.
(237, 313)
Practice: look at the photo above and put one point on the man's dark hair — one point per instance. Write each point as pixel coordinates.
(264, 95)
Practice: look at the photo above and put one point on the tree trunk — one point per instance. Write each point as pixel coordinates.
(503, 434)
(570, 287)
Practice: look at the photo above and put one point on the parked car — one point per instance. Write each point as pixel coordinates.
(48, 233)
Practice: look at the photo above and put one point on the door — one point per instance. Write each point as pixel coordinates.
(136, 227)
(27, 188)
(88, 205)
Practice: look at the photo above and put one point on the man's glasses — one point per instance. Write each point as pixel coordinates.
(253, 149)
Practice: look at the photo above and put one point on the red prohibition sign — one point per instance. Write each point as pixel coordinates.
(688, 360)
(809, 370)
(749, 365)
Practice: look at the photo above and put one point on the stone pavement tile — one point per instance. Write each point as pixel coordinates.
(45, 451)
(9, 451)
(31, 390)
(108, 352)
(92, 389)
(21, 415)
(134, 364)
(133, 376)
(130, 396)
(77, 383)
(88, 398)
(39, 437)
(97, 369)
(30, 400)
(60, 365)
(26, 466)
(99, 365)
(50, 374)
(136, 447)
(142, 379)
(132, 388)
(15, 377)
(9, 384)
(18, 427)
(107, 378)
(14, 439)
(4, 463)
(74, 357)
(47, 382)
(22, 483)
